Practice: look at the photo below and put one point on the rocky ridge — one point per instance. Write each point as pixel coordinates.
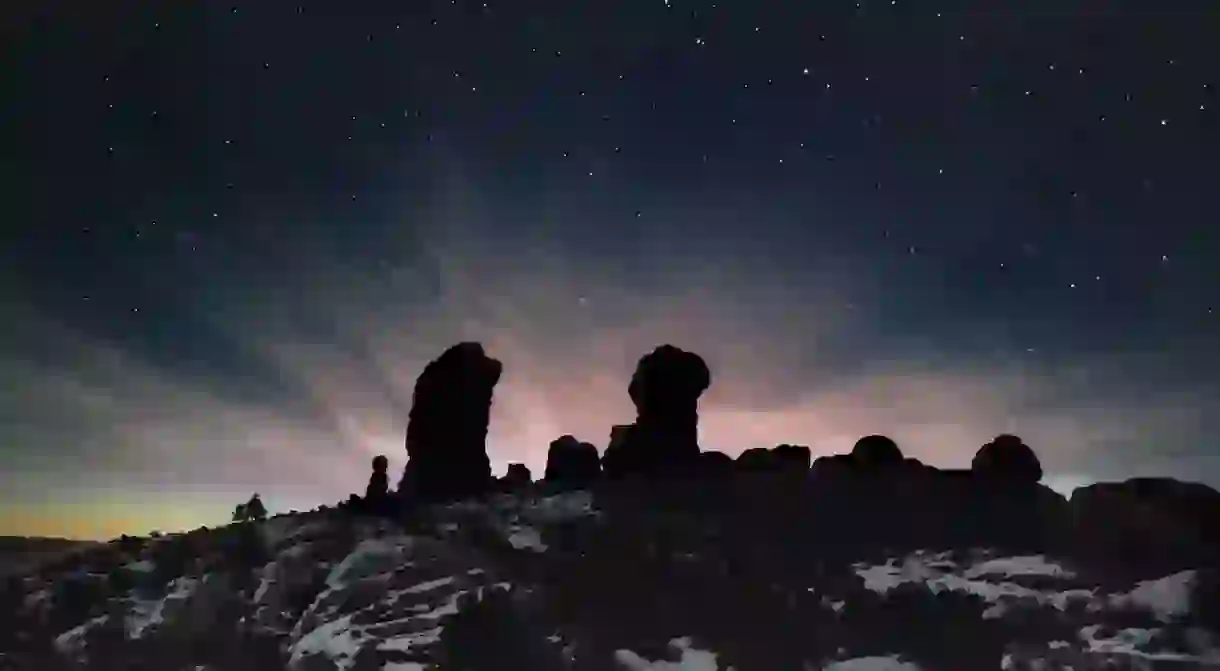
(608, 578)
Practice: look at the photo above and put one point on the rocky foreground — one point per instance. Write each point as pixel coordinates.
(605, 579)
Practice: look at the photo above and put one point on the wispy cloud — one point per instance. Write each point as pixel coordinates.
(792, 355)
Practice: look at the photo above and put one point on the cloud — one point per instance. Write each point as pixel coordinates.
(798, 354)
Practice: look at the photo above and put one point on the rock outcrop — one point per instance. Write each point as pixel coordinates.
(755, 460)
(572, 463)
(876, 488)
(876, 453)
(378, 489)
(551, 582)
(1158, 522)
(792, 458)
(616, 460)
(779, 459)
(832, 468)
(1007, 460)
(447, 427)
(516, 478)
(664, 438)
(715, 465)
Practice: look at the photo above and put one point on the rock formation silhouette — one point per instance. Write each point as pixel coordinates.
(377, 496)
(755, 460)
(664, 438)
(254, 509)
(378, 488)
(447, 426)
(998, 500)
(792, 458)
(572, 463)
(832, 467)
(1161, 523)
(715, 465)
(1007, 459)
(779, 459)
(615, 461)
(517, 477)
(875, 453)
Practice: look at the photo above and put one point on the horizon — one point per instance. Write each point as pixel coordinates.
(1063, 485)
(218, 515)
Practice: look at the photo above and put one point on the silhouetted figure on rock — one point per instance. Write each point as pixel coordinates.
(572, 463)
(876, 453)
(1007, 459)
(664, 439)
(447, 427)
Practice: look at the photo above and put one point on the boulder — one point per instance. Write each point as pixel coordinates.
(1156, 522)
(1007, 459)
(570, 462)
(517, 477)
(447, 427)
(876, 453)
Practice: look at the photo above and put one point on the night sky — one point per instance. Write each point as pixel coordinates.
(234, 234)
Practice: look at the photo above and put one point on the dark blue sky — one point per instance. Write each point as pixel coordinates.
(236, 232)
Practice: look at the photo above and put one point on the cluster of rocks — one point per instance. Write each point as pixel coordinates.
(447, 460)
(450, 413)
(447, 429)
